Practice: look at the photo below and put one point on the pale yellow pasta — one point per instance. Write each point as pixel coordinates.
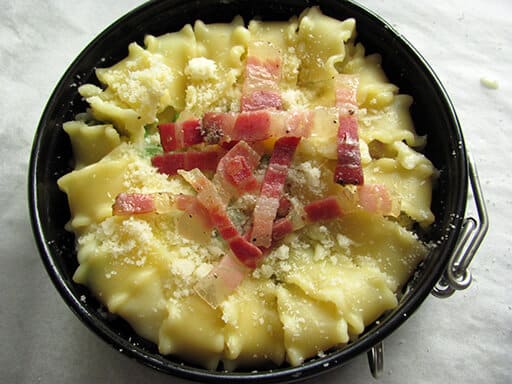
(316, 289)
(359, 291)
(253, 307)
(177, 48)
(91, 191)
(125, 120)
(310, 326)
(390, 124)
(283, 36)
(320, 44)
(193, 330)
(91, 142)
(395, 250)
(223, 43)
(410, 186)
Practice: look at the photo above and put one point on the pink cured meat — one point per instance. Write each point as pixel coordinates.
(133, 203)
(192, 206)
(262, 75)
(160, 202)
(323, 209)
(348, 167)
(236, 167)
(170, 163)
(256, 125)
(346, 93)
(222, 280)
(271, 191)
(180, 135)
(281, 227)
(233, 126)
(376, 198)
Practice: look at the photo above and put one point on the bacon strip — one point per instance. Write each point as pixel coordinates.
(323, 209)
(262, 75)
(192, 206)
(348, 168)
(281, 228)
(232, 126)
(346, 93)
(235, 169)
(222, 280)
(318, 210)
(271, 190)
(258, 125)
(376, 198)
(170, 163)
(207, 194)
(133, 203)
(180, 135)
(160, 202)
(285, 205)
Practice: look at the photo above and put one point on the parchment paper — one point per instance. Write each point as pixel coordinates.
(464, 339)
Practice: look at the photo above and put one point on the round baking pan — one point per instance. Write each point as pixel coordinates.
(51, 158)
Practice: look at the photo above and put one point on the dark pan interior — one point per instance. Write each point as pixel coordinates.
(52, 157)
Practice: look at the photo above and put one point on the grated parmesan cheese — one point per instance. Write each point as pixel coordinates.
(201, 69)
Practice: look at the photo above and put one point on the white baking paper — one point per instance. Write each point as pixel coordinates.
(464, 339)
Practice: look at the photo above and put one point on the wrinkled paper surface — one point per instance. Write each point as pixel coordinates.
(464, 339)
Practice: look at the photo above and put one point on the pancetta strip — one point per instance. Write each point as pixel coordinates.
(170, 163)
(262, 75)
(348, 167)
(222, 280)
(281, 227)
(323, 209)
(133, 203)
(220, 127)
(235, 170)
(376, 198)
(179, 135)
(345, 87)
(160, 202)
(192, 206)
(271, 191)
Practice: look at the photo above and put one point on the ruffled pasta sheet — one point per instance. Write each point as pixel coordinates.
(194, 331)
(90, 143)
(407, 174)
(244, 332)
(92, 189)
(126, 281)
(141, 87)
(310, 326)
(385, 119)
(137, 89)
(253, 331)
(320, 45)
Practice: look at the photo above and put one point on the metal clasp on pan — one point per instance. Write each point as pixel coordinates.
(376, 360)
(457, 275)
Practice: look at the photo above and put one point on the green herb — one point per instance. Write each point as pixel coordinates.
(152, 150)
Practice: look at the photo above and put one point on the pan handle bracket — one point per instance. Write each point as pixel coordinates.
(376, 360)
(457, 275)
